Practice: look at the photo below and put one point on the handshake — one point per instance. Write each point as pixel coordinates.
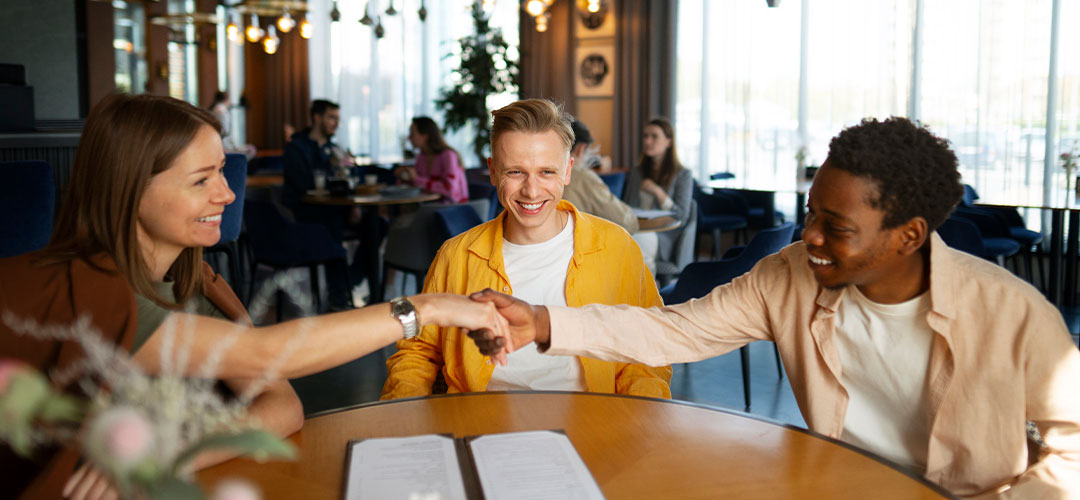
(502, 326)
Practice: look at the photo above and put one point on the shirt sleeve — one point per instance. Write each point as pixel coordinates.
(729, 317)
(1052, 368)
(412, 370)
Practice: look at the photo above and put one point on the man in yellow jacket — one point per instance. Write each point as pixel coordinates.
(540, 249)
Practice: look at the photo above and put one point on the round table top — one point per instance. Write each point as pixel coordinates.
(634, 447)
(657, 224)
(368, 199)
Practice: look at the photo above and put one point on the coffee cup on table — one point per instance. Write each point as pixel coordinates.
(371, 179)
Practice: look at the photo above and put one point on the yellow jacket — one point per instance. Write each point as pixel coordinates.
(607, 268)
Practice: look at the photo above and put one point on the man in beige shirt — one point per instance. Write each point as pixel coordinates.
(892, 341)
(588, 192)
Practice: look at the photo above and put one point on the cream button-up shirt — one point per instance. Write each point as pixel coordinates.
(1001, 356)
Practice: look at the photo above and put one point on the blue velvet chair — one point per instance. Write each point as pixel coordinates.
(281, 244)
(700, 278)
(456, 219)
(233, 218)
(963, 234)
(267, 165)
(616, 182)
(27, 204)
(719, 213)
(485, 191)
(1009, 216)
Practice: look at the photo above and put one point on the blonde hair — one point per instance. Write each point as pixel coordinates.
(127, 140)
(533, 116)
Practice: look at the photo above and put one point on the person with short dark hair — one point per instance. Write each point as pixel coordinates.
(312, 152)
(932, 358)
(588, 192)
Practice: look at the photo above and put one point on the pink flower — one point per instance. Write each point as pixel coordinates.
(119, 438)
(10, 367)
(235, 489)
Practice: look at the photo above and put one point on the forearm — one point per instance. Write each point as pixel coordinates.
(276, 410)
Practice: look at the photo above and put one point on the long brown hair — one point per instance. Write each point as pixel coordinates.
(665, 174)
(435, 141)
(127, 140)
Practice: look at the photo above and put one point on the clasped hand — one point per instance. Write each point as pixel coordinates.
(526, 324)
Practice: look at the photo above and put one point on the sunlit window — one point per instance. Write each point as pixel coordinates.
(382, 83)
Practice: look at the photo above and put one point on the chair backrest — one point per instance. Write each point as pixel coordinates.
(233, 218)
(969, 196)
(767, 242)
(616, 182)
(963, 235)
(683, 252)
(456, 219)
(267, 165)
(699, 278)
(27, 203)
(485, 191)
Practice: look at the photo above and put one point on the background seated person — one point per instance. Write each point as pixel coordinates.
(438, 167)
(659, 181)
(312, 152)
(145, 196)
(935, 359)
(542, 249)
(588, 192)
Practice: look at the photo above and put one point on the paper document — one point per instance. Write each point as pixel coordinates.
(642, 213)
(534, 465)
(540, 465)
(418, 467)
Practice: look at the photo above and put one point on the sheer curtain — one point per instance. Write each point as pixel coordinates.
(987, 93)
(737, 86)
(382, 83)
(860, 66)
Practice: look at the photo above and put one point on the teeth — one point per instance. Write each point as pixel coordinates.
(212, 218)
(819, 261)
(535, 206)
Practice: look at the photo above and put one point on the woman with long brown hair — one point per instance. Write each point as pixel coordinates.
(146, 194)
(438, 166)
(659, 181)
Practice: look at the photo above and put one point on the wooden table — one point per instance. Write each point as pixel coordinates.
(657, 224)
(634, 447)
(369, 228)
(367, 200)
(264, 180)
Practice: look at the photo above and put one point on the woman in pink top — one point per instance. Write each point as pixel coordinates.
(438, 166)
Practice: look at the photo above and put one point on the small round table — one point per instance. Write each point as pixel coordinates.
(634, 447)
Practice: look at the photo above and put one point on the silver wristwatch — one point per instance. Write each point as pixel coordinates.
(405, 312)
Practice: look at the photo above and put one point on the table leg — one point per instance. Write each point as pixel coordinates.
(1057, 238)
(800, 208)
(372, 237)
(1070, 259)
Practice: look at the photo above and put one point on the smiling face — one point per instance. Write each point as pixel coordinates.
(654, 143)
(530, 171)
(847, 244)
(182, 205)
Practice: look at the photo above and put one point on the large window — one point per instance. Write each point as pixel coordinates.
(982, 74)
(382, 83)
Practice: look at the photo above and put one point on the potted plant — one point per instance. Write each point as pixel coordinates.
(486, 69)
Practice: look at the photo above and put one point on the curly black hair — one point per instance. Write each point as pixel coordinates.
(914, 170)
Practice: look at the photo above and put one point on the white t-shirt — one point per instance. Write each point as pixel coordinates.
(885, 356)
(537, 275)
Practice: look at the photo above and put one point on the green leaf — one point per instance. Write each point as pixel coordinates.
(64, 407)
(26, 393)
(261, 445)
(172, 488)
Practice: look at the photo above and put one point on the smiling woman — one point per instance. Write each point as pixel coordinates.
(145, 196)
